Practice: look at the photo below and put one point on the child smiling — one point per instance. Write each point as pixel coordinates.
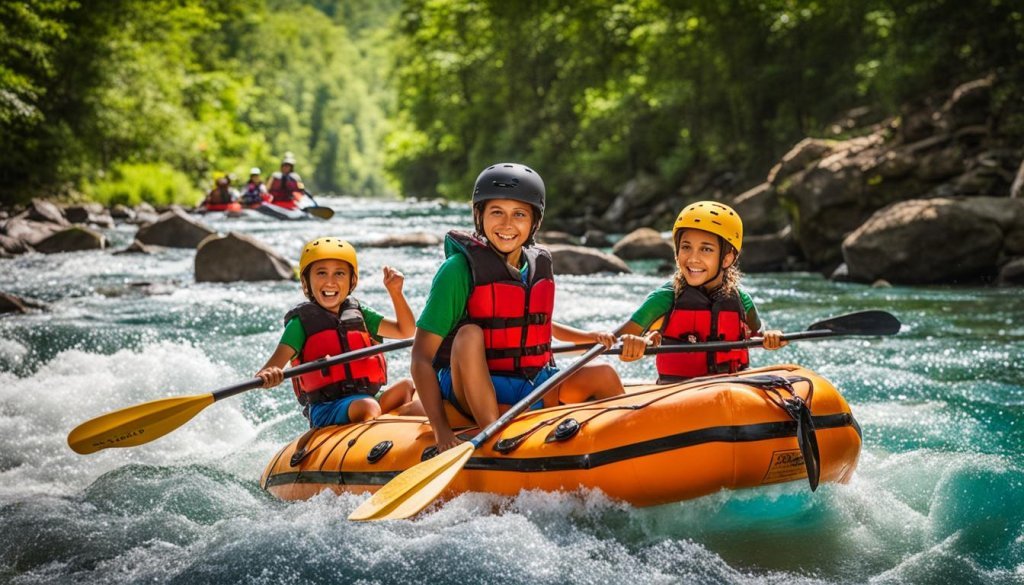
(702, 302)
(483, 340)
(332, 323)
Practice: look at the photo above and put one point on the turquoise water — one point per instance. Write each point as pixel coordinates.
(937, 497)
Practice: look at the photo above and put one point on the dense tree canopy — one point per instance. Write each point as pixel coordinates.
(417, 96)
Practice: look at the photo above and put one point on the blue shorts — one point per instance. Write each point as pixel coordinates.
(333, 412)
(509, 390)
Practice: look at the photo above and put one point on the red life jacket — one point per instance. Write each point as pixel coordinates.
(285, 190)
(515, 316)
(721, 318)
(328, 334)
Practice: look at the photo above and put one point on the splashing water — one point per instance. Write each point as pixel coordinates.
(936, 497)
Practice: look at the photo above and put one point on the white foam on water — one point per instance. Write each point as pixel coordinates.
(37, 413)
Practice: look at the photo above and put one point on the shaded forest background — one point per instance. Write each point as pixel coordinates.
(125, 100)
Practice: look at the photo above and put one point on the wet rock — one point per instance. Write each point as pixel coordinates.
(13, 246)
(841, 273)
(767, 253)
(122, 212)
(1017, 188)
(14, 304)
(73, 239)
(581, 260)
(174, 229)
(932, 240)
(28, 231)
(593, 238)
(239, 257)
(136, 247)
(971, 103)
(643, 244)
(636, 195)
(760, 210)
(409, 240)
(1012, 273)
(45, 211)
(806, 152)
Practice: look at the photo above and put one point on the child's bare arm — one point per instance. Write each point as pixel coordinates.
(574, 335)
(272, 372)
(404, 323)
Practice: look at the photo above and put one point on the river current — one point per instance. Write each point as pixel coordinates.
(938, 496)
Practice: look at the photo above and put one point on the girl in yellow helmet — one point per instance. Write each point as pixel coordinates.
(333, 322)
(702, 302)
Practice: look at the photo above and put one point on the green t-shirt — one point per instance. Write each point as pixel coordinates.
(294, 335)
(659, 302)
(449, 293)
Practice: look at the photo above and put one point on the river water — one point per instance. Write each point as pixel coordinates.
(937, 497)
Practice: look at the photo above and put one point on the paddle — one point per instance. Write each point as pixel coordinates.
(142, 423)
(859, 323)
(413, 489)
(317, 210)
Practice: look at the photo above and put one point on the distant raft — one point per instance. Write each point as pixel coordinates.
(654, 445)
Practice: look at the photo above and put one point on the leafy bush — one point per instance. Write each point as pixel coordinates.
(131, 184)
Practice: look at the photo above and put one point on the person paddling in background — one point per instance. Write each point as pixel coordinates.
(333, 322)
(483, 340)
(255, 193)
(222, 195)
(286, 186)
(702, 302)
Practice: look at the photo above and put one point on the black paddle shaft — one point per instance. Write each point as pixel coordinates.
(229, 391)
(859, 323)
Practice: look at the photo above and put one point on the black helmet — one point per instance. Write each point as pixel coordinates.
(510, 181)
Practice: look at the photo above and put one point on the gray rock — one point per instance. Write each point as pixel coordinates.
(174, 229)
(581, 260)
(635, 194)
(931, 240)
(239, 257)
(1017, 188)
(13, 246)
(45, 211)
(1012, 273)
(120, 211)
(136, 247)
(766, 253)
(72, 239)
(14, 304)
(28, 231)
(760, 210)
(594, 238)
(643, 244)
(805, 152)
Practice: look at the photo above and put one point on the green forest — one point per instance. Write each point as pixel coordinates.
(129, 100)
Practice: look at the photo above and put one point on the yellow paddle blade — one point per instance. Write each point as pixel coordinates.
(321, 212)
(413, 489)
(137, 424)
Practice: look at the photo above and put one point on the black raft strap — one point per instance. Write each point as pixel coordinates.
(514, 352)
(508, 322)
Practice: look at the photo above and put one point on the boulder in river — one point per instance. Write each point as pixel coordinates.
(46, 211)
(239, 257)
(174, 229)
(14, 304)
(934, 240)
(581, 260)
(409, 240)
(643, 244)
(72, 239)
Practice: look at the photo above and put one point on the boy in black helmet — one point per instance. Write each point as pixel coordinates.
(483, 340)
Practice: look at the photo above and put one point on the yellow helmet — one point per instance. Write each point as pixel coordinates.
(328, 248)
(711, 216)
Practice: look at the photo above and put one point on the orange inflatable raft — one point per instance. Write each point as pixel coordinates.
(656, 444)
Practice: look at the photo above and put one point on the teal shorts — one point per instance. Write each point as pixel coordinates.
(333, 412)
